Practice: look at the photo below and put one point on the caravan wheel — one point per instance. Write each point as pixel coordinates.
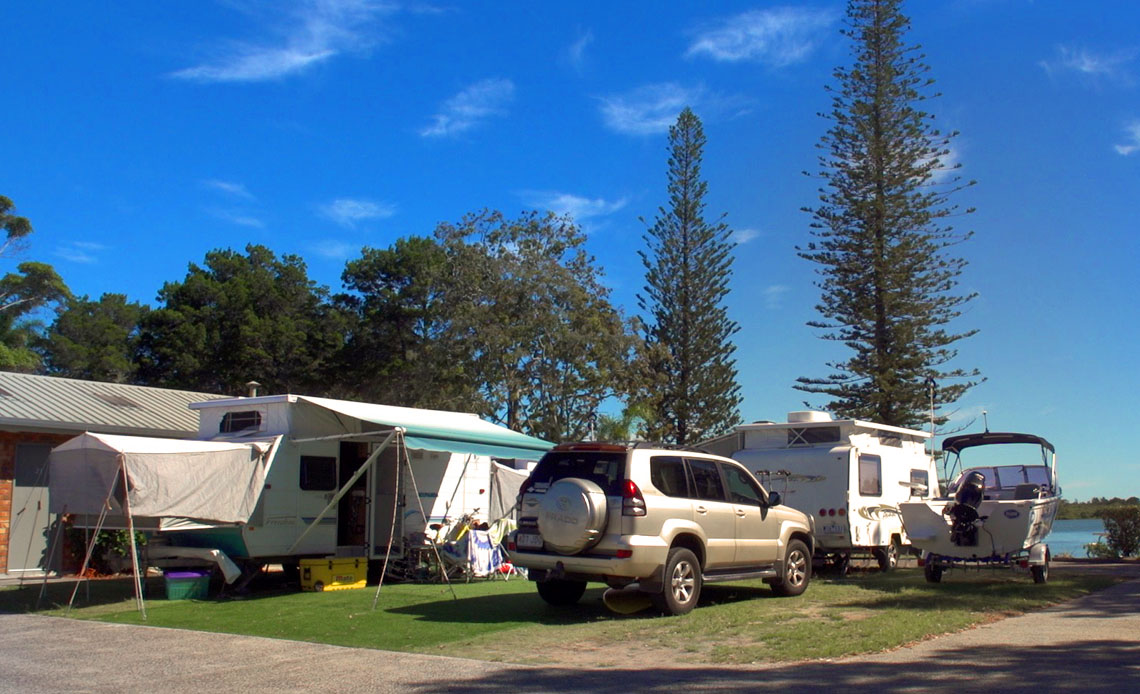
(888, 556)
(933, 572)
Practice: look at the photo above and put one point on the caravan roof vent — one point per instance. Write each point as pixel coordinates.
(808, 416)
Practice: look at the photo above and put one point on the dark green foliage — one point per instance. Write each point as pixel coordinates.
(94, 340)
(15, 227)
(22, 293)
(1122, 530)
(399, 350)
(1092, 508)
(526, 300)
(240, 318)
(690, 380)
(881, 232)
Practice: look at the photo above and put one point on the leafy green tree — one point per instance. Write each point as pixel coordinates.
(527, 300)
(94, 340)
(239, 318)
(399, 350)
(691, 381)
(22, 293)
(887, 280)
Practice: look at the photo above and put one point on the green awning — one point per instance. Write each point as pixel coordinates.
(428, 443)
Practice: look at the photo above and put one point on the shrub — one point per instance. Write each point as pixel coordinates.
(1122, 530)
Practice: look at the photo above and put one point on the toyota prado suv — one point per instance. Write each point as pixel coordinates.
(656, 520)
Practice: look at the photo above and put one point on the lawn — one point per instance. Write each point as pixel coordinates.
(506, 621)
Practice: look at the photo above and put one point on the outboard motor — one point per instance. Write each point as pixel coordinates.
(964, 511)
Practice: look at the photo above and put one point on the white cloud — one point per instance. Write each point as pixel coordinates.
(1090, 65)
(576, 53)
(303, 33)
(240, 219)
(348, 211)
(89, 246)
(774, 296)
(576, 206)
(1133, 144)
(470, 107)
(80, 251)
(776, 37)
(648, 110)
(743, 236)
(237, 190)
(334, 250)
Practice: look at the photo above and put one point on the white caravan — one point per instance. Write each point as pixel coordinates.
(278, 478)
(849, 475)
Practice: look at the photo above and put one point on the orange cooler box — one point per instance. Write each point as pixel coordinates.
(343, 573)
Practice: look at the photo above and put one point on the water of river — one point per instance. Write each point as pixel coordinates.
(1070, 536)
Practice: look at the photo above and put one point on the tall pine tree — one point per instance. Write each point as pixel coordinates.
(691, 387)
(888, 284)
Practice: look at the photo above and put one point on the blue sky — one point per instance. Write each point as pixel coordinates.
(139, 137)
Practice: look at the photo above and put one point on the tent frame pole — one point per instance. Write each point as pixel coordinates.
(91, 544)
(134, 545)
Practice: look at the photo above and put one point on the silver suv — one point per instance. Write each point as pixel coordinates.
(656, 520)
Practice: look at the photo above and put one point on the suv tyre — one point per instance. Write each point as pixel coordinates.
(797, 570)
(682, 583)
(572, 515)
(561, 592)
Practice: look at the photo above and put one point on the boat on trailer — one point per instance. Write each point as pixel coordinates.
(998, 510)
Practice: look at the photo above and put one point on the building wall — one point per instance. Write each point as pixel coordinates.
(8, 442)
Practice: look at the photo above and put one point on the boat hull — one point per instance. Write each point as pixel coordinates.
(1007, 528)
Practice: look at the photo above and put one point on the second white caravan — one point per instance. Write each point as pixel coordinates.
(851, 475)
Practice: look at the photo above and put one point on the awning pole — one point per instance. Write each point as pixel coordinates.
(400, 446)
(134, 546)
(344, 490)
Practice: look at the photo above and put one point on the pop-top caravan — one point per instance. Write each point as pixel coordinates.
(849, 475)
(278, 478)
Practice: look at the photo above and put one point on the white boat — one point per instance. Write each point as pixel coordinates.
(997, 511)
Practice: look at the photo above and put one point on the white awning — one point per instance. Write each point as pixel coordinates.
(435, 430)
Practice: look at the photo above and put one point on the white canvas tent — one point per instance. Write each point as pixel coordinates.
(134, 476)
(209, 481)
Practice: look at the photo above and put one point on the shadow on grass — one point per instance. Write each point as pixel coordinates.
(1078, 666)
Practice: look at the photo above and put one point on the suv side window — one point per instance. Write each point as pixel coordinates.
(706, 480)
(667, 474)
(741, 488)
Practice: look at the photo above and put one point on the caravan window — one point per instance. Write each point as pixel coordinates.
(920, 477)
(808, 436)
(240, 421)
(870, 475)
(318, 473)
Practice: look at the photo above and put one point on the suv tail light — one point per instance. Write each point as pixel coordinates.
(632, 502)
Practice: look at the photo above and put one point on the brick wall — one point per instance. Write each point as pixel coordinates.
(8, 442)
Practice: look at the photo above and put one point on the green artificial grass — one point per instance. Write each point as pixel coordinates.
(507, 621)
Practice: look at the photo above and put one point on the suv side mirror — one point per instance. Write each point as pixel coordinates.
(774, 498)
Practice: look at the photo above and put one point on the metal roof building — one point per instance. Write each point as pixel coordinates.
(40, 412)
(57, 405)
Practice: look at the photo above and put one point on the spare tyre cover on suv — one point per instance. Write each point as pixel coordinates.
(572, 515)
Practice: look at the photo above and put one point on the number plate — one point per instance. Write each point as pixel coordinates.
(528, 541)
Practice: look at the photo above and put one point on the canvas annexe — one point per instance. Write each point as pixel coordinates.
(274, 479)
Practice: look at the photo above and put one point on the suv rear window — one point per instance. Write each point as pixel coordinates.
(604, 468)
